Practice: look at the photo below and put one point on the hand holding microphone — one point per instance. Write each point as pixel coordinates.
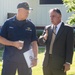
(46, 35)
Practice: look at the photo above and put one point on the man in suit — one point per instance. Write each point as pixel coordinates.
(59, 45)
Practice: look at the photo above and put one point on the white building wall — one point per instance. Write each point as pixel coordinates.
(39, 16)
(8, 6)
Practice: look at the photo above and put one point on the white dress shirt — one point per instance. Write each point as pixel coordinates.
(58, 27)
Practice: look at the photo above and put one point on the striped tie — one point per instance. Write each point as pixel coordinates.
(52, 40)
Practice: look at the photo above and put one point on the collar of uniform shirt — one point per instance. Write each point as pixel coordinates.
(58, 26)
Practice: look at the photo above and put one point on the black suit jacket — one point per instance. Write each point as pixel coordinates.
(62, 48)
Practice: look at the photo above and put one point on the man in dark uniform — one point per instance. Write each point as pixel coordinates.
(58, 39)
(18, 28)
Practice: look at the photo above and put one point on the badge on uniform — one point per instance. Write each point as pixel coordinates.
(29, 29)
(11, 27)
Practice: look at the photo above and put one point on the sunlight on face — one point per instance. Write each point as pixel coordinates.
(23, 12)
(55, 17)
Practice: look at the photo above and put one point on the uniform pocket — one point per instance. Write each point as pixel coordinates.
(11, 33)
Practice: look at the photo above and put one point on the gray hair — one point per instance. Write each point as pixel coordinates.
(55, 10)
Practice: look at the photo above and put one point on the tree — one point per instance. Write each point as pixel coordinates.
(70, 4)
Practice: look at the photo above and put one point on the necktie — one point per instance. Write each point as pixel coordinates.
(52, 40)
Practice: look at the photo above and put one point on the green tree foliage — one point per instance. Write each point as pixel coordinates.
(70, 4)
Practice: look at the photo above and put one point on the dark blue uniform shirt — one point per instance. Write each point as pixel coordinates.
(15, 30)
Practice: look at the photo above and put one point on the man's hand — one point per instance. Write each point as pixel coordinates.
(34, 62)
(66, 67)
(46, 35)
(18, 44)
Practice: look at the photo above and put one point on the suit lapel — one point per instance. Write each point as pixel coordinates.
(50, 30)
(60, 31)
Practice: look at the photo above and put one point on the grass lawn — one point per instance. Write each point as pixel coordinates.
(38, 69)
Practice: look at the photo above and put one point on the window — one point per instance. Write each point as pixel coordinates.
(51, 2)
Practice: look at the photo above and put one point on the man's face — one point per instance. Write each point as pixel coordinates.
(23, 12)
(55, 17)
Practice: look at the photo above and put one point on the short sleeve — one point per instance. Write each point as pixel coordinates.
(34, 36)
(3, 32)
